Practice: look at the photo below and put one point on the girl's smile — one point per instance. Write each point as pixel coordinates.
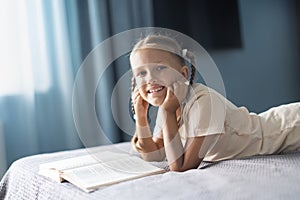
(153, 93)
(154, 90)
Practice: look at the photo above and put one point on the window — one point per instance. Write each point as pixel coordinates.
(23, 63)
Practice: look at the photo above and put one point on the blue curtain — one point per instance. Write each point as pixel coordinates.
(43, 46)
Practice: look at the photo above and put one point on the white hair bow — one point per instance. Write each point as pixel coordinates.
(184, 52)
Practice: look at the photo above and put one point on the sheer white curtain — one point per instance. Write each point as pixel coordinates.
(42, 45)
(22, 46)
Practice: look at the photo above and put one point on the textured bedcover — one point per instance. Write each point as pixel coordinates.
(260, 177)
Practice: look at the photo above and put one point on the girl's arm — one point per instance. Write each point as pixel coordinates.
(151, 148)
(178, 158)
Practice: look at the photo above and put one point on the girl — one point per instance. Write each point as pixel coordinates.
(194, 122)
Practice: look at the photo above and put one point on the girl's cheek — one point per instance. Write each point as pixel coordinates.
(140, 82)
(143, 93)
(168, 78)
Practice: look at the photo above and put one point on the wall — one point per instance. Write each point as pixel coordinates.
(265, 71)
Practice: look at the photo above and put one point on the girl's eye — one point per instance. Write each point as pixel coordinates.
(160, 67)
(141, 74)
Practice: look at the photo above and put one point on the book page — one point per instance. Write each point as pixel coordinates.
(132, 165)
(80, 161)
(110, 172)
(69, 163)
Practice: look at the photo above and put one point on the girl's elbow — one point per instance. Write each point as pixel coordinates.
(152, 157)
(178, 169)
(183, 168)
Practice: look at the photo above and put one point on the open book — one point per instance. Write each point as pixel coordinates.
(93, 171)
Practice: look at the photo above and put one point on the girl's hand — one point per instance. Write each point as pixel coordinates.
(175, 95)
(140, 107)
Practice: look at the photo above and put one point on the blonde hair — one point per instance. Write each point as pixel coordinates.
(168, 44)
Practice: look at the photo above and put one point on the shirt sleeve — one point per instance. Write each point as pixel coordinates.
(206, 115)
(157, 132)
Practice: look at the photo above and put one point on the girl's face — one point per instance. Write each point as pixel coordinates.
(154, 71)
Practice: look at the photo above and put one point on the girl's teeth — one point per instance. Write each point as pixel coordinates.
(155, 90)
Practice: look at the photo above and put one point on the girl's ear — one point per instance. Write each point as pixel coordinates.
(185, 71)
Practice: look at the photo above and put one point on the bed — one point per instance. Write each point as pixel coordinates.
(259, 177)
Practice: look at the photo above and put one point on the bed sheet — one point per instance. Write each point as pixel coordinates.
(258, 177)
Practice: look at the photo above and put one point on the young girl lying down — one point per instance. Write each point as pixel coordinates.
(194, 122)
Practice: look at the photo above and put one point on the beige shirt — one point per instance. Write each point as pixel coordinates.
(236, 132)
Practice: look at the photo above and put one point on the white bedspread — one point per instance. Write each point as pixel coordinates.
(260, 177)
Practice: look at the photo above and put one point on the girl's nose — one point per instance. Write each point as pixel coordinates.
(152, 81)
(151, 78)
